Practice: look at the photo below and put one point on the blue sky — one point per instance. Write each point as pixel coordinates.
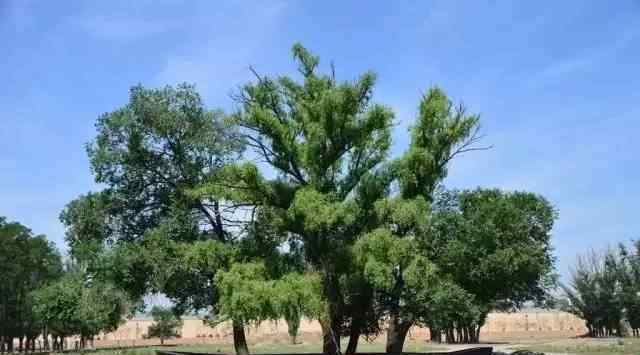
(557, 85)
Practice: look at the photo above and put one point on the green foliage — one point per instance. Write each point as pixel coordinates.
(441, 132)
(297, 296)
(151, 151)
(339, 233)
(58, 305)
(165, 324)
(321, 137)
(245, 294)
(27, 262)
(493, 251)
(318, 132)
(75, 306)
(185, 271)
(495, 244)
(629, 275)
(248, 296)
(605, 291)
(392, 256)
(87, 222)
(334, 193)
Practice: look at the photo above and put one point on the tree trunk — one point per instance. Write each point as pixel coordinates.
(396, 334)
(476, 335)
(434, 335)
(331, 327)
(354, 337)
(239, 339)
(45, 338)
(450, 339)
(330, 339)
(218, 225)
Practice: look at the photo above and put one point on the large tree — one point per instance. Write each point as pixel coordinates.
(320, 136)
(496, 246)
(402, 274)
(149, 154)
(372, 228)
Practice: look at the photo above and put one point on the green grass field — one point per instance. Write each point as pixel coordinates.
(589, 347)
(265, 348)
(628, 346)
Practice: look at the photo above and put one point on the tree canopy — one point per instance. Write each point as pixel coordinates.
(316, 221)
(604, 290)
(165, 325)
(27, 262)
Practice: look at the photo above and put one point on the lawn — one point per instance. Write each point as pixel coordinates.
(266, 348)
(626, 346)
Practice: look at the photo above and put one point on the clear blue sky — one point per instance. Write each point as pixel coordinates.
(557, 84)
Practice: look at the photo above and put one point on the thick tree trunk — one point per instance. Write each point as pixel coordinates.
(330, 339)
(354, 337)
(359, 318)
(435, 335)
(239, 339)
(396, 335)
(332, 327)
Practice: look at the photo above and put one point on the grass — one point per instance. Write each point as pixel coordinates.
(589, 347)
(547, 345)
(266, 348)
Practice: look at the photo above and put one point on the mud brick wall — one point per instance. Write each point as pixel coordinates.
(497, 323)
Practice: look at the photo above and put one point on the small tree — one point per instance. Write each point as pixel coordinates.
(596, 293)
(165, 325)
(75, 306)
(298, 296)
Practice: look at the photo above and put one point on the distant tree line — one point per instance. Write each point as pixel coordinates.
(27, 262)
(40, 298)
(604, 290)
